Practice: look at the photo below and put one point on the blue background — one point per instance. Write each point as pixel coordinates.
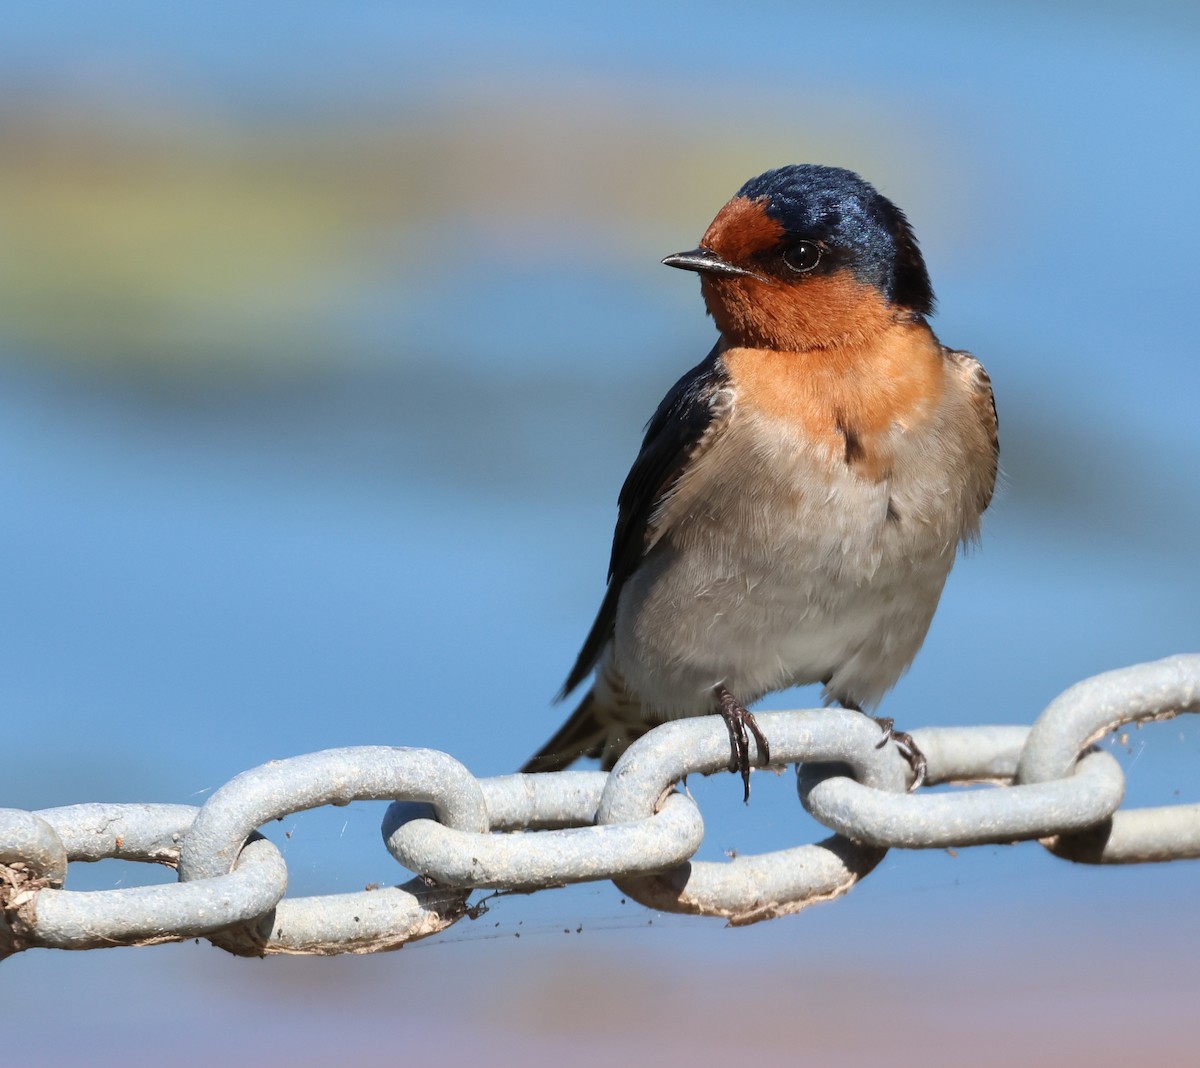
(326, 338)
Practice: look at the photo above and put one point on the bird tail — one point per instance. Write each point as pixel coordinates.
(582, 735)
(606, 723)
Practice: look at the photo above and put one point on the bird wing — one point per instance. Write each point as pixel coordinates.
(977, 381)
(674, 433)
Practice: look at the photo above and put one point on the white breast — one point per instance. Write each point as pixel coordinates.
(776, 564)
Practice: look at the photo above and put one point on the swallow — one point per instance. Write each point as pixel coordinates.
(801, 493)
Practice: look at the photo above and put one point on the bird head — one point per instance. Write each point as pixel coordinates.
(807, 257)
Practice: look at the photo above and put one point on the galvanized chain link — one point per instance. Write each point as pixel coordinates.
(631, 826)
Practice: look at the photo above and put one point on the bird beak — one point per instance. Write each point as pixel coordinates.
(705, 261)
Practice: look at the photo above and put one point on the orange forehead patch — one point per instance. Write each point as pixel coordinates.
(741, 229)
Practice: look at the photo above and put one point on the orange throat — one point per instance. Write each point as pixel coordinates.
(850, 396)
(826, 311)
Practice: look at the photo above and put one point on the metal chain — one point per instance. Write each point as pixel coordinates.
(631, 826)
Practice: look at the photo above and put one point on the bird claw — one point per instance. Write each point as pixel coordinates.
(739, 721)
(885, 724)
(907, 748)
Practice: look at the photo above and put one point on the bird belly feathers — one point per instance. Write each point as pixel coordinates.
(775, 562)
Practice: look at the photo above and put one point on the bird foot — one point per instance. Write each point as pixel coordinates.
(739, 721)
(908, 749)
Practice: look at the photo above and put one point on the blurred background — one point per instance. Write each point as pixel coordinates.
(327, 333)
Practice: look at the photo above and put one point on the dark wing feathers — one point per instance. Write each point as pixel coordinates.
(671, 436)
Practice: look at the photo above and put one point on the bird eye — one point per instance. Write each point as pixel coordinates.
(803, 256)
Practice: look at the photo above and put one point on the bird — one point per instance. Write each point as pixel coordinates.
(801, 493)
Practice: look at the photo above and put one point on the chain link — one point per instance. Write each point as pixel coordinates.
(631, 826)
